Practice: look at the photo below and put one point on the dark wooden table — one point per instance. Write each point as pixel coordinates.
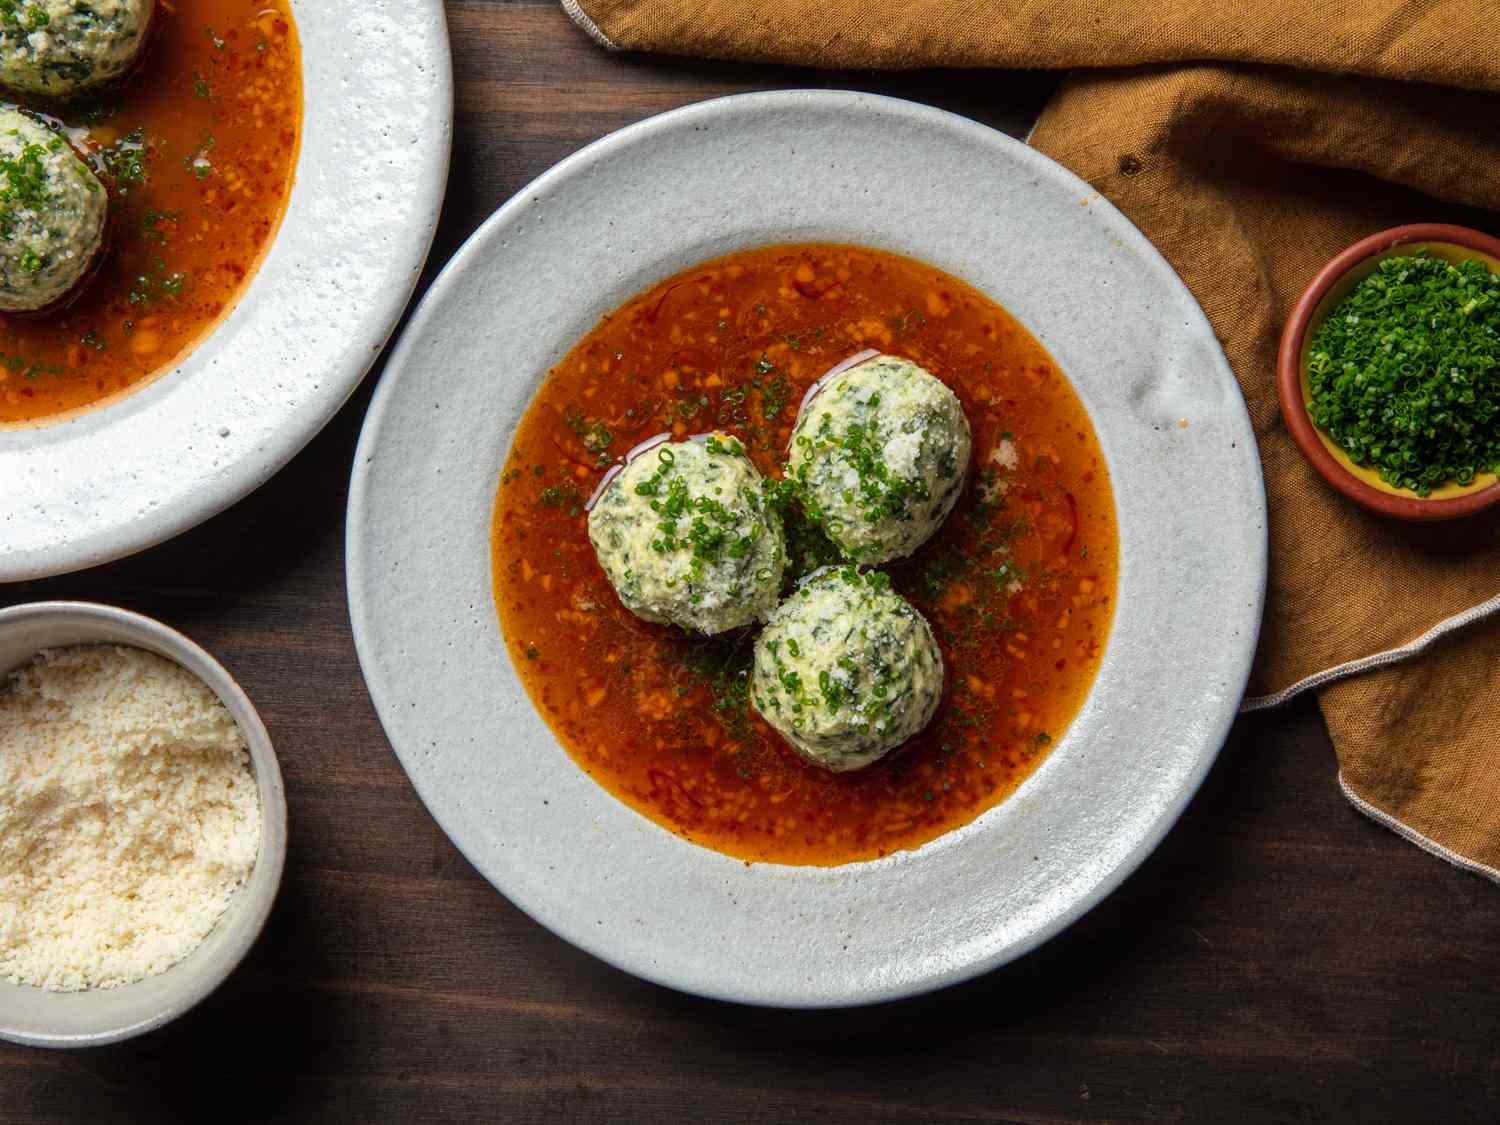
(1278, 959)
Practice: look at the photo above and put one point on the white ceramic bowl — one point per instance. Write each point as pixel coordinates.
(41, 1018)
(377, 127)
(654, 199)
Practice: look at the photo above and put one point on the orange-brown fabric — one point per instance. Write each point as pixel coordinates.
(1437, 775)
(1248, 180)
(1248, 177)
(1445, 41)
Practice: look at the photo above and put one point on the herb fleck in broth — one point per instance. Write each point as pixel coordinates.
(1018, 585)
(199, 149)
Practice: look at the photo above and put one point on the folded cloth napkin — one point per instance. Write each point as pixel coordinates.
(1251, 143)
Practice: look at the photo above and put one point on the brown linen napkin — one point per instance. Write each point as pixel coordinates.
(1248, 177)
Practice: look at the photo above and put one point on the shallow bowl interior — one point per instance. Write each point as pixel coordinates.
(41, 1018)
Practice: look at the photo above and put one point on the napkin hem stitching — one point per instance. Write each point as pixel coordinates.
(584, 21)
(1376, 660)
(1411, 835)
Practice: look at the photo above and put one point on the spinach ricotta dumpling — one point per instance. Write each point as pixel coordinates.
(687, 538)
(880, 455)
(57, 48)
(52, 213)
(846, 670)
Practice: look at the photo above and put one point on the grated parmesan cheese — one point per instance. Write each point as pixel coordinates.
(128, 817)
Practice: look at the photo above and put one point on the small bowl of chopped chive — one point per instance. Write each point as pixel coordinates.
(1389, 372)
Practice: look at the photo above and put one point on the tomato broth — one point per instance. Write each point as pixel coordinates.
(1018, 584)
(197, 150)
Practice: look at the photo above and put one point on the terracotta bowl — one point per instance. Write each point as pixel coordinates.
(1360, 484)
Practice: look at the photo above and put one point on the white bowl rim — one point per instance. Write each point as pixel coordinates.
(367, 564)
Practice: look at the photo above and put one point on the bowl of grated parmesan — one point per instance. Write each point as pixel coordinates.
(142, 824)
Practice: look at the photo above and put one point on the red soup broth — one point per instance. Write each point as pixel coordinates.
(198, 149)
(1018, 585)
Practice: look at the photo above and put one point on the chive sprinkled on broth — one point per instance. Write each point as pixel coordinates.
(564, 496)
(591, 432)
(667, 720)
(125, 160)
(774, 395)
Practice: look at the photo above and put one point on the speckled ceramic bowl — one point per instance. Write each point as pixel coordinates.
(122, 476)
(639, 206)
(40, 1018)
(1327, 289)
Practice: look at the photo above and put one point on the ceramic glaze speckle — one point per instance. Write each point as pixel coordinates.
(377, 129)
(702, 182)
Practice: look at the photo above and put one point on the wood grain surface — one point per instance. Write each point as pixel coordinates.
(1278, 959)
